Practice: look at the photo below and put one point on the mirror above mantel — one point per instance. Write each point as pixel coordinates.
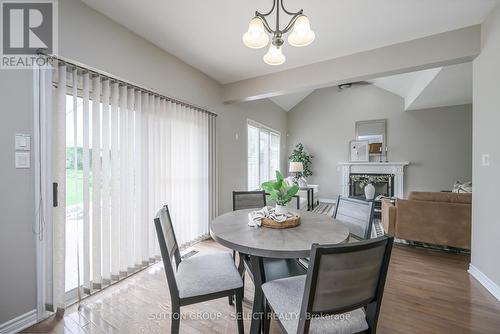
(375, 132)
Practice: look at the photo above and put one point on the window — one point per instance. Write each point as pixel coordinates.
(263, 154)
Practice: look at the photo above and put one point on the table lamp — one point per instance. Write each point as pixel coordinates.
(296, 167)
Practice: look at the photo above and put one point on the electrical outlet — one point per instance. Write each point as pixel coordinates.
(485, 160)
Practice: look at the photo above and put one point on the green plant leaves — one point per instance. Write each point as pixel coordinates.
(300, 155)
(279, 191)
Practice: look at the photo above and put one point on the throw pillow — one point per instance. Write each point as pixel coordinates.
(462, 187)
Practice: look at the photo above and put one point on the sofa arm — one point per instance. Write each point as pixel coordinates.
(388, 216)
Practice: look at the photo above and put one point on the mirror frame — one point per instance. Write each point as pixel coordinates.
(373, 121)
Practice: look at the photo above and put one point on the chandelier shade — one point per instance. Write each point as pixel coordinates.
(301, 35)
(274, 55)
(259, 30)
(256, 37)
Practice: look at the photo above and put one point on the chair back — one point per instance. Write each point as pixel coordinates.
(342, 278)
(168, 247)
(249, 199)
(356, 214)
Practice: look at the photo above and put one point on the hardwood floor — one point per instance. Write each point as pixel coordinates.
(426, 292)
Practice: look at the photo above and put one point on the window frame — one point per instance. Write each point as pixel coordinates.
(270, 130)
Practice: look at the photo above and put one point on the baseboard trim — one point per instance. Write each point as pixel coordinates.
(19, 323)
(328, 200)
(491, 286)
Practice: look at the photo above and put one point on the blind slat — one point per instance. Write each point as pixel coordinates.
(115, 182)
(106, 236)
(86, 183)
(123, 153)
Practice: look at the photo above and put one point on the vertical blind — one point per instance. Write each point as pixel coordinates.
(119, 154)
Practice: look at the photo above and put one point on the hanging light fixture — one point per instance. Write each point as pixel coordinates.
(256, 36)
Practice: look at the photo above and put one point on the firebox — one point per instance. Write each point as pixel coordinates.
(383, 183)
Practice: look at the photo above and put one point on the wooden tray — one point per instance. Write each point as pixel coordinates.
(293, 221)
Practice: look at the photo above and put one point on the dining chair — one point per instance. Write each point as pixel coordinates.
(341, 292)
(198, 278)
(357, 215)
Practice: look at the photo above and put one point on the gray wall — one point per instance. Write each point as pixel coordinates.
(485, 217)
(92, 39)
(437, 142)
(17, 243)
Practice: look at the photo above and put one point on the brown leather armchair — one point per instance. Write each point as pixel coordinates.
(438, 218)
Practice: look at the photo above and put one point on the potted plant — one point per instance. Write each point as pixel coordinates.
(280, 193)
(300, 155)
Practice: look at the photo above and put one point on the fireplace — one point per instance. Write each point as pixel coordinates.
(396, 169)
(383, 183)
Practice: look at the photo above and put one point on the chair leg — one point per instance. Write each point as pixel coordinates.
(239, 310)
(267, 318)
(175, 319)
(231, 298)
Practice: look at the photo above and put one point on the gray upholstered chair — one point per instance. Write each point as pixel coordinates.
(357, 215)
(196, 279)
(341, 292)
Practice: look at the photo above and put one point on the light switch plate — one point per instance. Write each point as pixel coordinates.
(485, 160)
(23, 142)
(23, 160)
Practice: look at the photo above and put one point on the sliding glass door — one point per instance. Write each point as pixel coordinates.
(123, 153)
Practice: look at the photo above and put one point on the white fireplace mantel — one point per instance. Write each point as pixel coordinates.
(396, 168)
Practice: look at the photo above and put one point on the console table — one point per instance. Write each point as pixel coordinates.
(310, 189)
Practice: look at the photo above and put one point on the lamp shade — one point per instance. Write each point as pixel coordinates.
(302, 34)
(296, 167)
(255, 37)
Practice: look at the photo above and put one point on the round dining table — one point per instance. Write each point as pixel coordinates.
(259, 246)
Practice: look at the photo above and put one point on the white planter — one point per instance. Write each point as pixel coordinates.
(280, 209)
(369, 191)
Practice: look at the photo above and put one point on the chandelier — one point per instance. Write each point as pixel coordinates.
(256, 36)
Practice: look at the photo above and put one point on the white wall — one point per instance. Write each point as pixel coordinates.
(485, 217)
(437, 142)
(94, 40)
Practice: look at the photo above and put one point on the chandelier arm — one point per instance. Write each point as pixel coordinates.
(269, 12)
(288, 12)
(264, 21)
(291, 23)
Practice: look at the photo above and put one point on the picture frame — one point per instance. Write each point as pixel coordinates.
(359, 151)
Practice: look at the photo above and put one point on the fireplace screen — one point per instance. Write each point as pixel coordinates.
(383, 183)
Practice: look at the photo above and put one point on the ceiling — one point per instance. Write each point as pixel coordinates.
(287, 102)
(207, 34)
(431, 88)
(407, 85)
(451, 86)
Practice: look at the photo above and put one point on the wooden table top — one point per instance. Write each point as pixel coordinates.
(231, 230)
